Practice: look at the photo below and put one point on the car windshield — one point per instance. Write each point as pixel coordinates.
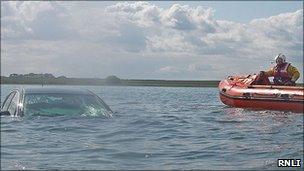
(63, 104)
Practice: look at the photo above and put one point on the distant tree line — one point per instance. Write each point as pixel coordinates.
(47, 78)
(32, 75)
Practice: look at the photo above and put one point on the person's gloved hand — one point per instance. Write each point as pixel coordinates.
(290, 83)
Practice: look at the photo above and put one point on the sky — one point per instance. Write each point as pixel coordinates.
(174, 40)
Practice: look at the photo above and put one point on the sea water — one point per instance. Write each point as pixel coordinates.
(152, 128)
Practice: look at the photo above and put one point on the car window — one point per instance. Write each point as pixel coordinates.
(13, 105)
(63, 104)
(7, 101)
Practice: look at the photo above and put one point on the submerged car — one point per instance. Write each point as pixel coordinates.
(52, 102)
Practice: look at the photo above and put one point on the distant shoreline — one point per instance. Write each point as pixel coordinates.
(154, 83)
(135, 85)
(49, 79)
(110, 81)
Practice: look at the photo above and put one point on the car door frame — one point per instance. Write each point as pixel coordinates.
(17, 107)
(6, 100)
(19, 99)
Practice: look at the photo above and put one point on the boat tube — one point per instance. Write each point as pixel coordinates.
(241, 91)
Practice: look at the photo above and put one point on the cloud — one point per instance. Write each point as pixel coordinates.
(173, 29)
(199, 67)
(284, 31)
(193, 30)
(187, 18)
(168, 69)
(35, 20)
(176, 42)
(177, 17)
(141, 13)
(131, 38)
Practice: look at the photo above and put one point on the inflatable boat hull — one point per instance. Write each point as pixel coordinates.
(285, 98)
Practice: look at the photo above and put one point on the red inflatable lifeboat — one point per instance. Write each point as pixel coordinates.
(240, 91)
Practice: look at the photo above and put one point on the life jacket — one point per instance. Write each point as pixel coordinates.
(281, 74)
(261, 79)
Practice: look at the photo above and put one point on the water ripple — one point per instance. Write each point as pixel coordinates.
(156, 128)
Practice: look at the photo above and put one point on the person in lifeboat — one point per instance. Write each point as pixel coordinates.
(284, 73)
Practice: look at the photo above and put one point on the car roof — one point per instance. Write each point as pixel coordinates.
(56, 90)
